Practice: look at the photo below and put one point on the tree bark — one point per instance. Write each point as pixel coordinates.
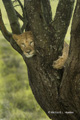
(70, 87)
(61, 22)
(12, 16)
(46, 10)
(44, 80)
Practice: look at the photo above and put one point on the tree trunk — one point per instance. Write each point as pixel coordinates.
(44, 80)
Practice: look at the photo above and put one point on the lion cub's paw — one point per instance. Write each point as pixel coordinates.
(59, 63)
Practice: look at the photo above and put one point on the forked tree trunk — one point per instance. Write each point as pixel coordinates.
(44, 80)
(57, 91)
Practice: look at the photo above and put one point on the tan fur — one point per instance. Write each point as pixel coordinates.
(26, 43)
(60, 62)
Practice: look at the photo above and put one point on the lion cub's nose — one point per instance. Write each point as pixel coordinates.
(28, 51)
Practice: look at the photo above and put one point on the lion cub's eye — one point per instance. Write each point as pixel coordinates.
(31, 43)
(22, 44)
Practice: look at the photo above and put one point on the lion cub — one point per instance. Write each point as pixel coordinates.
(60, 62)
(26, 43)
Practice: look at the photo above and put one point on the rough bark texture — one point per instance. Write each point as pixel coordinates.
(54, 90)
(44, 80)
(46, 10)
(70, 87)
(61, 21)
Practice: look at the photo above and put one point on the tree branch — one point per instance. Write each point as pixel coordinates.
(21, 5)
(4, 31)
(14, 1)
(46, 8)
(25, 24)
(76, 20)
(25, 21)
(8, 36)
(19, 16)
(61, 21)
(16, 5)
(12, 16)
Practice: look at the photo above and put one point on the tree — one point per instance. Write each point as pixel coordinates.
(56, 91)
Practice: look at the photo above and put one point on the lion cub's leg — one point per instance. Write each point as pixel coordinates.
(59, 63)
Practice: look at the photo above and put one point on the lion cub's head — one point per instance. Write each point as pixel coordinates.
(26, 43)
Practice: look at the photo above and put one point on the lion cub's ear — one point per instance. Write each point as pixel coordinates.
(15, 37)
